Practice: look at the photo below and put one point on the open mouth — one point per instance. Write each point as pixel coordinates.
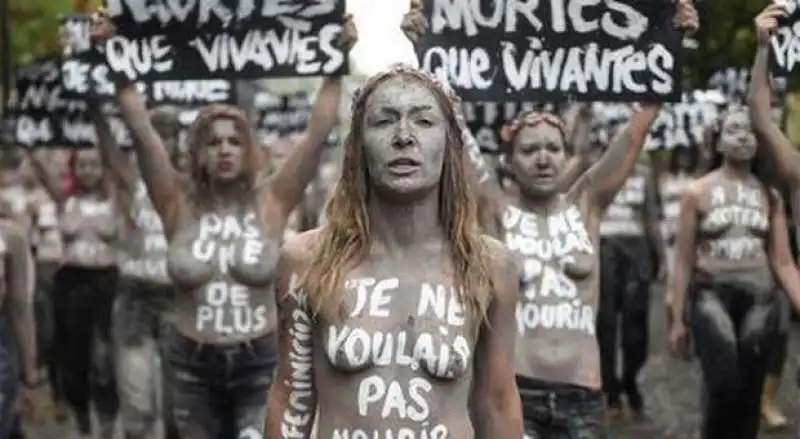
(403, 166)
(224, 165)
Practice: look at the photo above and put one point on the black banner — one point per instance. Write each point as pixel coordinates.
(683, 124)
(785, 42)
(38, 88)
(486, 119)
(280, 116)
(234, 39)
(734, 82)
(85, 74)
(614, 50)
(43, 117)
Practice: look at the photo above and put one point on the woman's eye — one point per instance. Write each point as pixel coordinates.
(425, 122)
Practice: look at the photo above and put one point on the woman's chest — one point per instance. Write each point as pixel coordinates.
(733, 209)
(89, 215)
(549, 247)
(416, 321)
(215, 246)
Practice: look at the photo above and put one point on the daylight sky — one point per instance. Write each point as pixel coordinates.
(380, 42)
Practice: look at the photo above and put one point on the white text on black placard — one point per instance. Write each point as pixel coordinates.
(620, 50)
(236, 39)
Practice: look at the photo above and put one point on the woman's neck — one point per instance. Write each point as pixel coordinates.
(539, 204)
(222, 195)
(399, 225)
(735, 170)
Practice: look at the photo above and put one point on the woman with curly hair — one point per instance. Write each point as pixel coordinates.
(224, 228)
(395, 316)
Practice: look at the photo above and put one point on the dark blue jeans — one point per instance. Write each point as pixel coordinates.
(561, 411)
(220, 392)
(9, 377)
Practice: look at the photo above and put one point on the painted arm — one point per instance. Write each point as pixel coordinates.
(496, 409)
(685, 256)
(51, 183)
(605, 178)
(289, 182)
(160, 177)
(780, 255)
(293, 397)
(653, 216)
(19, 269)
(579, 128)
(770, 136)
(113, 159)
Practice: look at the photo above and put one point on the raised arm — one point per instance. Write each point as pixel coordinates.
(496, 409)
(780, 255)
(51, 183)
(293, 397)
(685, 256)
(579, 128)
(113, 159)
(289, 182)
(652, 216)
(605, 178)
(759, 100)
(160, 177)
(19, 269)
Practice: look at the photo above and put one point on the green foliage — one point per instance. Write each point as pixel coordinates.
(34, 28)
(726, 37)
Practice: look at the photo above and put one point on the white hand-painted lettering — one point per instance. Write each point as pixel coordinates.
(227, 310)
(438, 431)
(299, 412)
(372, 295)
(625, 66)
(551, 299)
(270, 48)
(785, 44)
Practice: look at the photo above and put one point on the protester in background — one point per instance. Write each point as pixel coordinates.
(402, 202)
(732, 256)
(632, 251)
(785, 160)
(87, 285)
(224, 227)
(17, 323)
(145, 302)
(558, 369)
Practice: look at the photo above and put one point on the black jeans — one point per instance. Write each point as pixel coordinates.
(46, 337)
(779, 348)
(625, 277)
(82, 317)
(561, 411)
(220, 392)
(732, 327)
(9, 377)
(142, 312)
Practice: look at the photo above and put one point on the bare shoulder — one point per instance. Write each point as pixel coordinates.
(298, 249)
(699, 186)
